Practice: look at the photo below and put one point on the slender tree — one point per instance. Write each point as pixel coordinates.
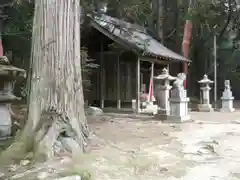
(56, 119)
(158, 7)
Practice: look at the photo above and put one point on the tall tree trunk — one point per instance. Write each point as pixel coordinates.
(56, 119)
(160, 22)
(186, 42)
(1, 27)
(158, 19)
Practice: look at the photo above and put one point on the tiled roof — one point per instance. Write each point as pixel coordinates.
(135, 37)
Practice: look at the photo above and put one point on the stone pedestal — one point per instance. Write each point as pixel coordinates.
(163, 105)
(227, 98)
(227, 105)
(205, 105)
(5, 122)
(205, 108)
(134, 105)
(179, 110)
(162, 92)
(178, 104)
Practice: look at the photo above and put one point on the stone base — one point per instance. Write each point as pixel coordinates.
(205, 108)
(179, 110)
(160, 117)
(163, 111)
(5, 121)
(172, 119)
(226, 110)
(176, 119)
(227, 105)
(162, 114)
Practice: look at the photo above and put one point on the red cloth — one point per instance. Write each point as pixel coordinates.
(150, 90)
(1, 47)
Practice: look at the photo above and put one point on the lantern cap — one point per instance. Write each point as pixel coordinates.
(165, 75)
(205, 80)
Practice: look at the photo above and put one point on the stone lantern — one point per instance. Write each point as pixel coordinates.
(205, 88)
(162, 91)
(8, 76)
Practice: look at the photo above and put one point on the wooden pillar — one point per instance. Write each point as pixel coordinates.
(102, 77)
(168, 67)
(129, 81)
(118, 84)
(138, 86)
(152, 76)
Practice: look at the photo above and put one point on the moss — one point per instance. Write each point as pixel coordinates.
(16, 151)
(84, 174)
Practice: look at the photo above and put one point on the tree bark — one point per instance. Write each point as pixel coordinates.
(160, 22)
(158, 7)
(56, 119)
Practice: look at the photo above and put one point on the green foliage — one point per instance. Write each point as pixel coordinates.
(17, 34)
(138, 11)
(17, 28)
(218, 17)
(211, 18)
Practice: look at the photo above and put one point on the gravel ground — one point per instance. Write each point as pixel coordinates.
(124, 147)
(205, 149)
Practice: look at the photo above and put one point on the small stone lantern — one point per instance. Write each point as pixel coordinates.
(162, 91)
(227, 98)
(205, 88)
(8, 76)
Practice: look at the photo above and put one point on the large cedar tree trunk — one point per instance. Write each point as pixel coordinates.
(56, 119)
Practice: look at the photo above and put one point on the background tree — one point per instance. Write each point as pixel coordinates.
(218, 17)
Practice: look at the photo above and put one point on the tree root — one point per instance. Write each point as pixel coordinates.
(55, 135)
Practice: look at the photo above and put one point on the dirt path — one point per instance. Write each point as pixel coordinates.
(126, 148)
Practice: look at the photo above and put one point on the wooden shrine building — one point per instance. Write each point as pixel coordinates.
(123, 73)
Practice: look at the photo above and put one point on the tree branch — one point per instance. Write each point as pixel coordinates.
(11, 3)
(170, 34)
(230, 12)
